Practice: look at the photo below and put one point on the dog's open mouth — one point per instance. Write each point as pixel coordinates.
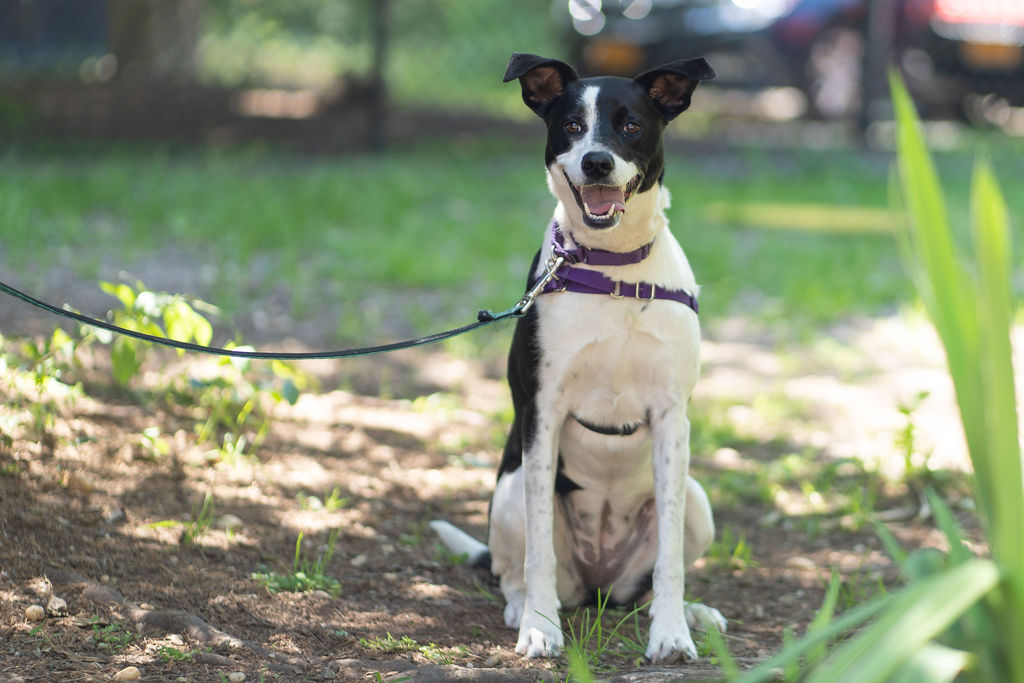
(603, 205)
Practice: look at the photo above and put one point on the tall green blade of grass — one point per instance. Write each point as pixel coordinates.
(972, 312)
(919, 612)
(976, 604)
(945, 288)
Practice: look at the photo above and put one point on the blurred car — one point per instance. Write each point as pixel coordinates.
(947, 49)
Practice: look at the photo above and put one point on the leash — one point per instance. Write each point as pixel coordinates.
(559, 276)
(484, 317)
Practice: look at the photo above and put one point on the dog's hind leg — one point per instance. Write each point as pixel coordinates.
(700, 531)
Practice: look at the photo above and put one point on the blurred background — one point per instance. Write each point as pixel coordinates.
(355, 74)
(355, 169)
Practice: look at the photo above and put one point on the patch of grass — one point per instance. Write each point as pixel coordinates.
(590, 645)
(730, 551)
(173, 654)
(202, 518)
(330, 502)
(306, 575)
(113, 636)
(405, 234)
(389, 645)
(201, 521)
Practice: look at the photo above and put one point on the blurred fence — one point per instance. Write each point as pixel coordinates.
(372, 68)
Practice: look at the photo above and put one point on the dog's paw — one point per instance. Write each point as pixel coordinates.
(670, 640)
(539, 636)
(514, 612)
(703, 617)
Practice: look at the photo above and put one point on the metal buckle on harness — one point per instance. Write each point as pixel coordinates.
(616, 293)
(654, 290)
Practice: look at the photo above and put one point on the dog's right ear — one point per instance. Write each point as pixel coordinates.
(543, 80)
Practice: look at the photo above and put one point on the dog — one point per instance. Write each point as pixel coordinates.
(593, 491)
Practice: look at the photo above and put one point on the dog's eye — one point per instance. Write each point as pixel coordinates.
(631, 128)
(573, 128)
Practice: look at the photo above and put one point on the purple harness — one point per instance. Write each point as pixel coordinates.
(564, 278)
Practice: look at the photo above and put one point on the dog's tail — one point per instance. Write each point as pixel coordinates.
(460, 543)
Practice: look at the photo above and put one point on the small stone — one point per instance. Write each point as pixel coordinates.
(491, 662)
(801, 562)
(129, 673)
(229, 522)
(79, 482)
(320, 594)
(236, 677)
(146, 606)
(35, 613)
(358, 561)
(175, 639)
(57, 606)
(105, 578)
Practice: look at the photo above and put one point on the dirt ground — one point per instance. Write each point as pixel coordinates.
(91, 514)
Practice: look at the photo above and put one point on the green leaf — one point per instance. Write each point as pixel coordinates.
(824, 616)
(792, 652)
(933, 664)
(721, 649)
(993, 252)
(917, 614)
(124, 360)
(121, 292)
(290, 392)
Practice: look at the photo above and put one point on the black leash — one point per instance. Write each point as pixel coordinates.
(483, 318)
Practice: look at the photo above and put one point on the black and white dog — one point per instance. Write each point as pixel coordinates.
(593, 490)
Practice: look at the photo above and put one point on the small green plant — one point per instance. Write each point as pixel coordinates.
(331, 502)
(202, 518)
(730, 551)
(440, 655)
(389, 645)
(152, 445)
(200, 523)
(305, 575)
(49, 361)
(589, 643)
(173, 654)
(113, 636)
(155, 313)
(958, 616)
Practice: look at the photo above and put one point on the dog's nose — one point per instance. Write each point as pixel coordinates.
(597, 165)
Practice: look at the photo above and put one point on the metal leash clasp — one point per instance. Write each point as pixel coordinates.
(551, 267)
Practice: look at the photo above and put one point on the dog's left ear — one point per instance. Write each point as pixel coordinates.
(543, 80)
(670, 86)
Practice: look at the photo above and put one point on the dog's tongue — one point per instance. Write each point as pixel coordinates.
(602, 200)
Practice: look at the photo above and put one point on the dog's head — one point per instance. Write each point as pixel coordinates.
(604, 143)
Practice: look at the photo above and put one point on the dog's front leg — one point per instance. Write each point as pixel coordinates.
(540, 633)
(670, 635)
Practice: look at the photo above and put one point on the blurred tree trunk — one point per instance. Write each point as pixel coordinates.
(879, 55)
(155, 40)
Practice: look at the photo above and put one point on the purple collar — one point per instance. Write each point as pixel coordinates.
(562, 277)
(585, 281)
(595, 257)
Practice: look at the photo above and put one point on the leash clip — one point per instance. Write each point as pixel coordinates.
(551, 267)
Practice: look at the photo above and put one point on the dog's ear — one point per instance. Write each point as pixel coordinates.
(671, 85)
(543, 80)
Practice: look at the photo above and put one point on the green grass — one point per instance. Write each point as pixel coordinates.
(457, 223)
(306, 575)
